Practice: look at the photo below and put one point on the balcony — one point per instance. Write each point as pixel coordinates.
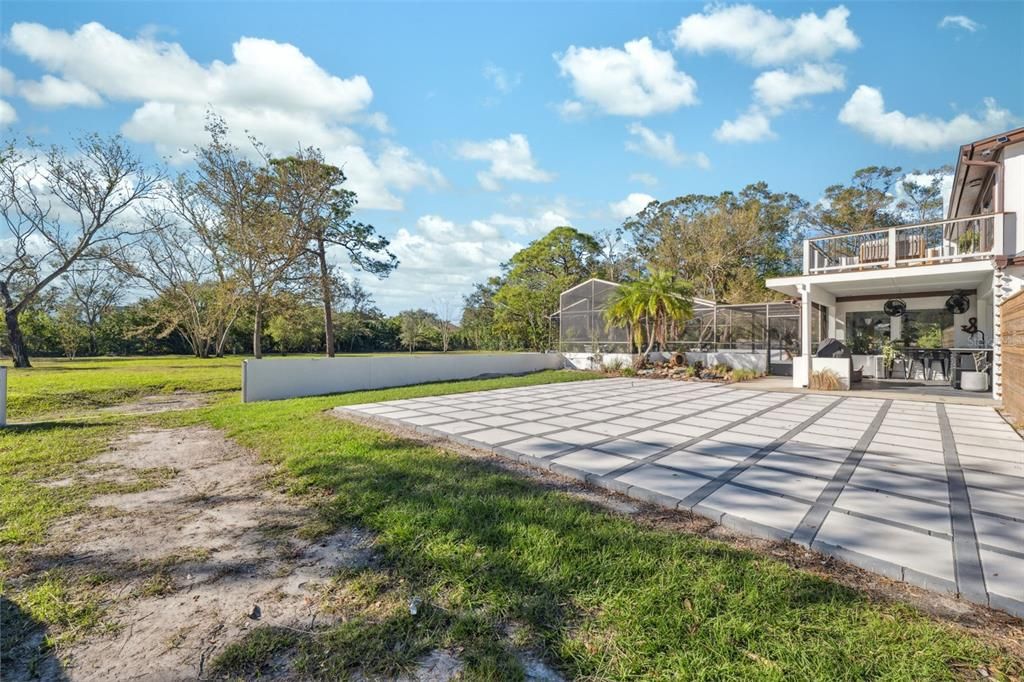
(943, 241)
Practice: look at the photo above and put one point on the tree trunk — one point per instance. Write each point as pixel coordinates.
(257, 333)
(19, 352)
(325, 291)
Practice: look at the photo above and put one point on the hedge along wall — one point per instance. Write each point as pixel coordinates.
(1012, 337)
(276, 379)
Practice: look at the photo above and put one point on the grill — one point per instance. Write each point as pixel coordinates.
(832, 348)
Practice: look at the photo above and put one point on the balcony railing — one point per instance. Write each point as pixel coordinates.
(942, 241)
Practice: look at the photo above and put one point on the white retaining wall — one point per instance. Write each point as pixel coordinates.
(275, 379)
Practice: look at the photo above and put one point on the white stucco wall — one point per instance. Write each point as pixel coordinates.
(275, 379)
(1013, 192)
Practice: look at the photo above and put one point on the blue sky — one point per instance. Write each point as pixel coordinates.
(470, 129)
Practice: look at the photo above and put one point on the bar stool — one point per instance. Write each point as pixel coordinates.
(913, 357)
(940, 356)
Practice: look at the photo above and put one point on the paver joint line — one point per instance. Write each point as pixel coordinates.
(709, 488)
(651, 459)
(970, 576)
(807, 531)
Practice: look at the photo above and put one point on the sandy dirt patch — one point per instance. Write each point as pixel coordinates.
(165, 402)
(192, 565)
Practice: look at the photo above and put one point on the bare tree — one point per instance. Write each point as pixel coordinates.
(445, 325)
(63, 207)
(260, 245)
(96, 287)
(178, 259)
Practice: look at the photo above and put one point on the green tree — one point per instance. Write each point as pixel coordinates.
(649, 307)
(418, 328)
(721, 242)
(296, 327)
(313, 197)
(864, 204)
(922, 199)
(532, 280)
(72, 333)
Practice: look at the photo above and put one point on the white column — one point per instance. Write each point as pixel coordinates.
(806, 310)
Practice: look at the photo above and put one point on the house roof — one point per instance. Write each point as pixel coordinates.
(971, 182)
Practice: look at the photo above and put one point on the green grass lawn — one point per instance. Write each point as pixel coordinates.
(502, 564)
(57, 386)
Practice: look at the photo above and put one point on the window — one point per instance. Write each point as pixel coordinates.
(865, 332)
(928, 329)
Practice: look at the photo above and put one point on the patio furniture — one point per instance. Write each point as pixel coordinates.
(942, 358)
(907, 248)
(914, 357)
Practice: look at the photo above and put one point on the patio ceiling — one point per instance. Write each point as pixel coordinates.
(894, 281)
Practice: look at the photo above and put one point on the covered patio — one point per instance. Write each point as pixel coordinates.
(937, 319)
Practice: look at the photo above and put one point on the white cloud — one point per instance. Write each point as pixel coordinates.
(645, 141)
(759, 37)
(542, 222)
(7, 114)
(638, 80)
(631, 205)
(51, 92)
(6, 81)
(865, 112)
(752, 126)
(774, 92)
(442, 231)
(503, 81)
(510, 159)
(643, 179)
(959, 21)
(779, 89)
(440, 261)
(270, 89)
(571, 110)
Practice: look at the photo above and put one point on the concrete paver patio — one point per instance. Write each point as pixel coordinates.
(929, 493)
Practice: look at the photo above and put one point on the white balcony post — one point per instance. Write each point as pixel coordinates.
(806, 310)
(807, 256)
(892, 247)
(998, 236)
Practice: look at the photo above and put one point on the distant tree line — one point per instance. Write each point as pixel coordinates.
(244, 252)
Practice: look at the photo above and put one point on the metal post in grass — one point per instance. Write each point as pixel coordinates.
(3, 396)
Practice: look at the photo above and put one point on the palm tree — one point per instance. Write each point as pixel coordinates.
(649, 307)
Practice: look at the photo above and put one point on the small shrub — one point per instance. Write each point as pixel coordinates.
(825, 380)
(690, 372)
(738, 375)
(721, 369)
(612, 366)
(628, 372)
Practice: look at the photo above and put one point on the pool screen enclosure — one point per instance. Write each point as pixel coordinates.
(772, 327)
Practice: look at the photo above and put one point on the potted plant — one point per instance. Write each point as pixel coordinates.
(969, 241)
(890, 354)
(978, 379)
